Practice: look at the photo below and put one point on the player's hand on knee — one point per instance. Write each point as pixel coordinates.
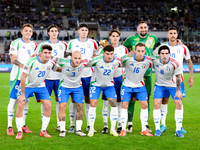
(21, 99)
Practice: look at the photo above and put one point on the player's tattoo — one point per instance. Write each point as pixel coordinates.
(190, 66)
(16, 62)
(113, 102)
(79, 113)
(178, 82)
(63, 118)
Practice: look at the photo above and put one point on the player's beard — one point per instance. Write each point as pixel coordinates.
(143, 35)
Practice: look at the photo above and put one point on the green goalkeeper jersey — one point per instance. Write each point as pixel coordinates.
(150, 41)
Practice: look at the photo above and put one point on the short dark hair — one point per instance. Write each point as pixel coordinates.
(27, 25)
(46, 46)
(172, 28)
(108, 48)
(139, 44)
(140, 22)
(114, 30)
(83, 25)
(52, 26)
(163, 47)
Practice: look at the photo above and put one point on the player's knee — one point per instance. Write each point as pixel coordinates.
(20, 106)
(47, 106)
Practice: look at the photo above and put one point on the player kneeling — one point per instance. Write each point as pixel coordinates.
(70, 85)
(133, 82)
(165, 69)
(36, 71)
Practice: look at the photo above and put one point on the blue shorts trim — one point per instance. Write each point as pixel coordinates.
(117, 85)
(76, 93)
(182, 89)
(41, 93)
(86, 85)
(140, 93)
(108, 91)
(52, 85)
(164, 92)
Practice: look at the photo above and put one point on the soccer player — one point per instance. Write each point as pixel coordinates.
(87, 47)
(102, 80)
(150, 42)
(119, 51)
(133, 82)
(165, 69)
(20, 51)
(52, 81)
(36, 70)
(178, 52)
(70, 85)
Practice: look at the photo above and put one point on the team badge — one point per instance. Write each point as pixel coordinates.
(149, 42)
(143, 66)
(61, 47)
(88, 45)
(12, 49)
(25, 67)
(178, 50)
(168, 68)
(79, 69)
(48, 67)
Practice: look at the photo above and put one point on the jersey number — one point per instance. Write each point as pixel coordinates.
(172, 55)
(82, 51)
(41, 74)
(92, 89)
(136, 70)
(73, 74)
(55, 52)
(106, 72)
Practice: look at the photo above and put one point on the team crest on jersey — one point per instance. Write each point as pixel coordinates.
(88, 45)
(144, 66)
(168, 68)
(48, 67)
(79, 69)
(26, 68)
(61, 47)
(149, 42)
(178, 50)
(12, 49)
(120, 50)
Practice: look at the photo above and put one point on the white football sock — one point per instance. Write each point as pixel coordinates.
(42, 111)
(78, 124)
(119, 107)
(163, 113)
(113, 117)
(62, 125)
(178, 119)
(57, 112)
(19, 123)
(130, 123)
(45, 122)
(144, 118)
(25, 111)
(124, 116)
(105, 112)
(87, 106)
(156, 116)
(72, 112)
(91, 117)
(11, 110)
(182, 113)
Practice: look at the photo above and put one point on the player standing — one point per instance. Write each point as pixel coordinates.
(36, 70)
(119, 51)
(70, 84)
(102, 80)
(87, 47)
(53, 79)
(165, 69)
(150, 42)
(20, 51)
(178, 52)
(133, 82)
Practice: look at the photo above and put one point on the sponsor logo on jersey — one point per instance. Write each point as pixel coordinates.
(37, 68)
(132, 64)
(67, 70)
(101, 67)
(23, 47)
(77, 45)
(26, 68)
(157, 66)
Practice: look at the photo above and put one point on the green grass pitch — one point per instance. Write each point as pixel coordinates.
(134, 140)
